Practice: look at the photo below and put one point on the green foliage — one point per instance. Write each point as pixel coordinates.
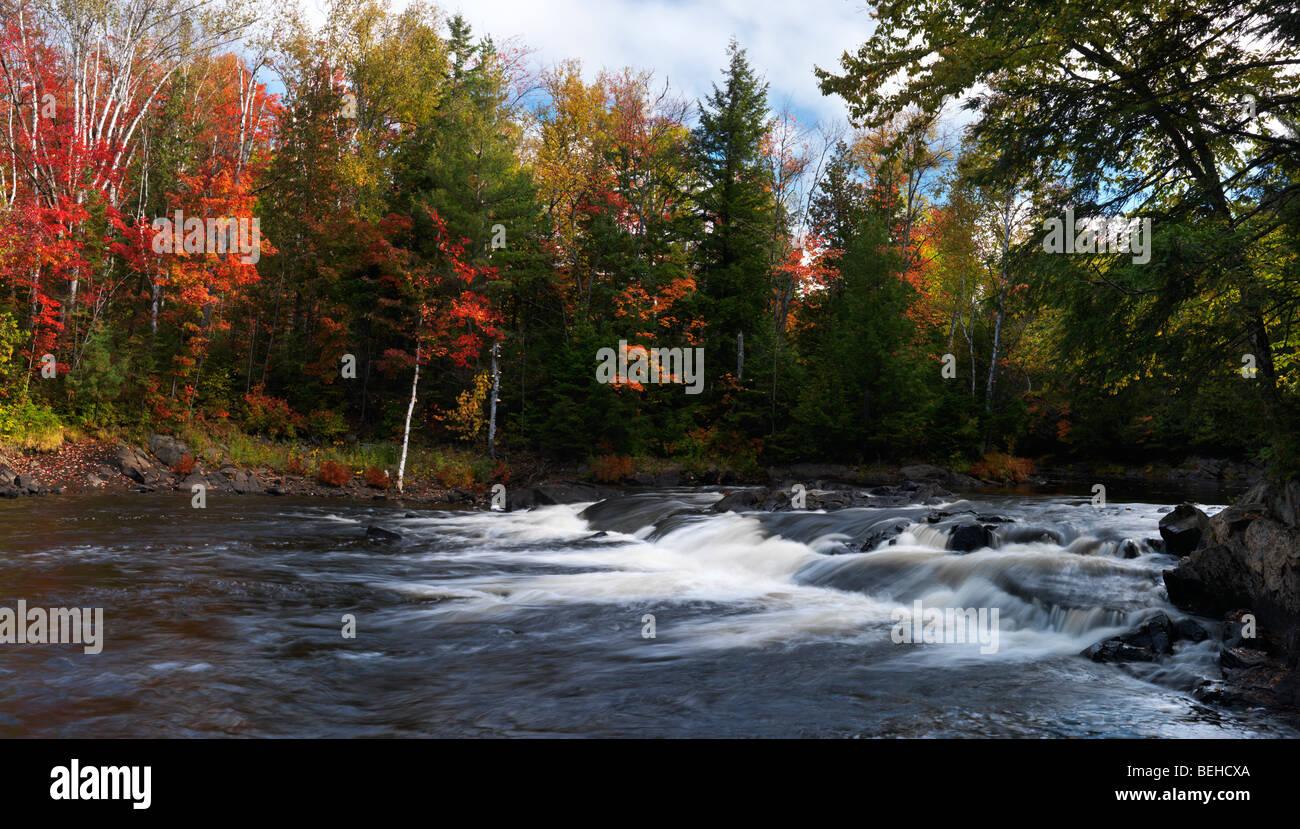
(30, 425)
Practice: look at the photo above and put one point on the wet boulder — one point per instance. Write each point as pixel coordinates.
(968, 538)
(1183, 529)
(1115, 650)
(882, 534)
(1153, 638)
(741, 500)
(562, 492)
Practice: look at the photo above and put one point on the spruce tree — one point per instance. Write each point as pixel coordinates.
(736, 206)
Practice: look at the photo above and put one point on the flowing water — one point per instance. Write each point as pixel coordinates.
(228, 621)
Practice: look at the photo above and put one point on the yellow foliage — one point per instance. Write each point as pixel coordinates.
(469, 418)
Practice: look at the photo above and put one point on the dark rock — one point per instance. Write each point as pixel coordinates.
(134, 465)
(1281, 501)
(1128, 548)
(1114, 650)
(1250, 558)
(1156, 544)
(881, 535)
(1190, 630)
(168, 449)
(740, 501)
(245, 483)
(1153, 638)
(1236, 658)
(968, 538)
(924, 471)
(661, 478)
(1155, 634)
(27, 483)
(8, 477)
(9, 491)
(564, 492)
(817, 474)
(192, 480)
(1183, 529)
(381, 534)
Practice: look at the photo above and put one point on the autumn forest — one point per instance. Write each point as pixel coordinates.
(224, 222)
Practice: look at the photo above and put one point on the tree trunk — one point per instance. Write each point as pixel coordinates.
(740, 356)
(997, 325)
(492, 409)
(406, 433)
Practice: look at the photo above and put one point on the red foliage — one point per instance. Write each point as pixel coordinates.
(334, 473)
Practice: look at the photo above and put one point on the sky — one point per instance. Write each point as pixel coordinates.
(686, 40)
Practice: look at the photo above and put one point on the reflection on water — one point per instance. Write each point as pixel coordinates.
(228, 621)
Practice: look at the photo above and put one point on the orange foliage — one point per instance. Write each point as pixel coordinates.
(611, 469)
(334, 473)
(999, 466)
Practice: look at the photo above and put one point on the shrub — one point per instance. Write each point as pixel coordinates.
(264, 414)
(377, 478)
(334, 473)
(184, 466)
(29, 425)
(295, 466)
(326, 424)
(999, 466)
(611, 469)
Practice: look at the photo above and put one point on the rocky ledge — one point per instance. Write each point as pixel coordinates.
(1242, 565)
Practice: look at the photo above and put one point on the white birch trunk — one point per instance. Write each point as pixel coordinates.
(406, 433)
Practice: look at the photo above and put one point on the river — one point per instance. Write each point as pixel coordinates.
(229, 621)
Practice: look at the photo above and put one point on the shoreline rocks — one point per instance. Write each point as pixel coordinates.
(1245, 566)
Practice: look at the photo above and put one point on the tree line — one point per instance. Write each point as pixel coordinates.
(450, 235)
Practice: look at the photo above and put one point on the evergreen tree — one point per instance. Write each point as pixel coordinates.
(736, 206)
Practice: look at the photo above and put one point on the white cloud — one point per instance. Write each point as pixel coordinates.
(686, 40)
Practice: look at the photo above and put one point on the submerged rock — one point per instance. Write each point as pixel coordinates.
(381, 534)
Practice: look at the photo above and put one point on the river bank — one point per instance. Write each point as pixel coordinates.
(165, 463)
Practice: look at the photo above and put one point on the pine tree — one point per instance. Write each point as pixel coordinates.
(736, 207)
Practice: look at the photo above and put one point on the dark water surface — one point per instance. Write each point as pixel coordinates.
(227, 622)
